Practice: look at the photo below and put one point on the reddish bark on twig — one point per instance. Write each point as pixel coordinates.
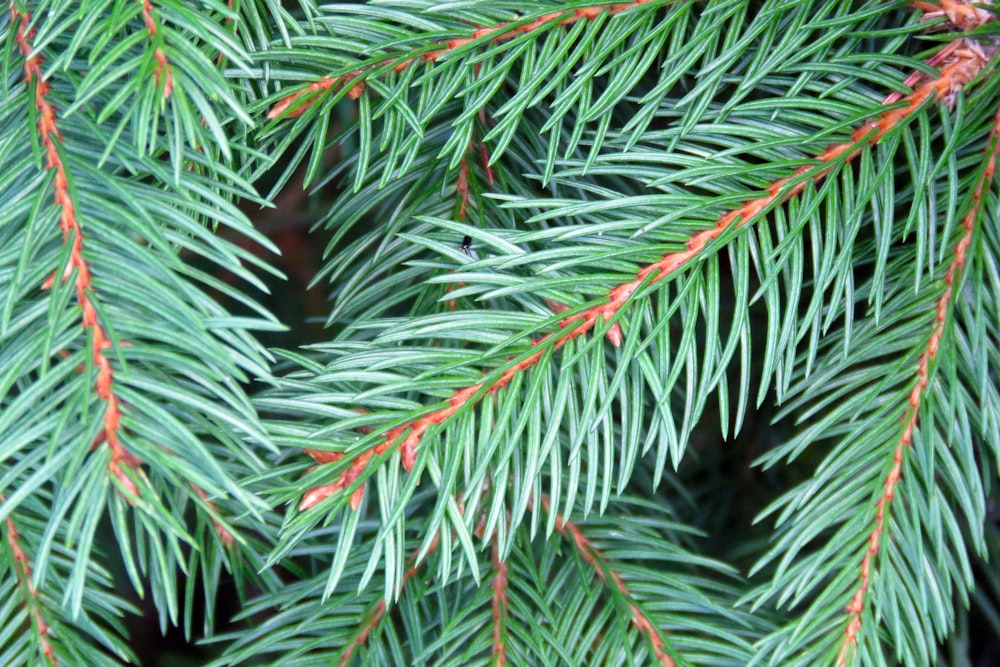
(609, 577)
(499, 607)
(855, 610)
(164, 75)
(377, 611)
(22, 568)
(122, 461)
(959, 67)
(225, 536)
(499, 33)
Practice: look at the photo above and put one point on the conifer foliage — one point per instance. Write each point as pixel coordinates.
(658, 332)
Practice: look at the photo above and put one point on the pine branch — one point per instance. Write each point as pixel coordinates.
(354, 83)
(373, 618)
(37, 629)
(537, 605)
(369, 375)
(452, 53)
(120, 368)
(900, 448)
(550, 278)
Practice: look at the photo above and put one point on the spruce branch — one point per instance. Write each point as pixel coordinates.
(373, 618)
(37, 630)
(353, 81)
(911, 420)
(123, 378)
(610, 578)
(32, 603)
(123, 465)
(567, 239)
(959, 66)
(539, 603)
(903, 440)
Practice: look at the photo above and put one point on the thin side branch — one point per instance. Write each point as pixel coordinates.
(122, 461)
(164, 75)
(377, 611)
(22, 568)
(221, 531)
(855, 610)
(610, 578)
(499, 608)
(962, 63)
(494, 34)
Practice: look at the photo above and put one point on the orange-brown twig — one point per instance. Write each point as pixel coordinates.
(958, 68)
(855, 610)
(223, 533)
(962, 14)
(609, 577)
(121, 459)
(498, 33)
(499, 607)
(377, 611)
(22, 568)
(164, 75)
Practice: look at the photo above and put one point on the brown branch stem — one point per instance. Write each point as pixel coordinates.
(610, 578)
(499, 607)
(377, 611)
(121, 459)
(960, 66)
(164, 75)
(497, 34)
(226, 537)
(23, 571)
(855, 610)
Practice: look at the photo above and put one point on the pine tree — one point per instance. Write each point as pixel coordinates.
(658, 332)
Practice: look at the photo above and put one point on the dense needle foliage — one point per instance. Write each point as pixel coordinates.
(654, 332)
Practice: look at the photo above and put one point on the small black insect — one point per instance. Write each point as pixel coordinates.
(467, 245)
